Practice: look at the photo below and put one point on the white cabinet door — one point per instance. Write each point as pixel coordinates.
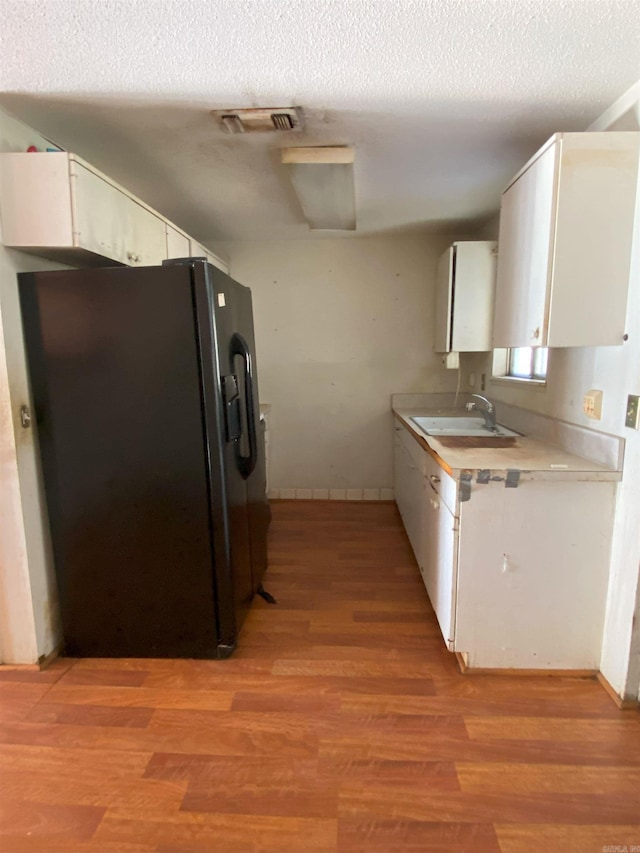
(110, 223)
(408, 491)
(444, 296)
(464, 297)
(533, 574)
(526, 226)
(177, 243)
(439, 563)
(200, 251)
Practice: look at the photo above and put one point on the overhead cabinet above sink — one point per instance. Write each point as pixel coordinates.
(566, 234)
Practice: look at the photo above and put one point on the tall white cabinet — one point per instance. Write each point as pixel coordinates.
(566, 231)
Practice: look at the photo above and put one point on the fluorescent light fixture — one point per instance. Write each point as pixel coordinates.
(323, 182)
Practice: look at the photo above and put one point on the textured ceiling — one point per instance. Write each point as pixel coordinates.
(442, 99)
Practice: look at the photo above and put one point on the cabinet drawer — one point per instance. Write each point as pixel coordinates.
(443, 483)
(412, 447)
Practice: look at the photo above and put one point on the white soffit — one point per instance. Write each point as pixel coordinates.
(442, 100)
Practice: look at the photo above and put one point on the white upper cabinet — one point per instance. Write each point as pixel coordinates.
(464, 297)
(58, 206)
(178, 243)
(566, 231)
(200, 251)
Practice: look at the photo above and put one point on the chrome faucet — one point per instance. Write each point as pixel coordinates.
(488, 413)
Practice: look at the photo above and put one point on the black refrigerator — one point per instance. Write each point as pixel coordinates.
(146, 401)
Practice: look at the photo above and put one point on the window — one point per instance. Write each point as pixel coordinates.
(522, 364)
(528, 363)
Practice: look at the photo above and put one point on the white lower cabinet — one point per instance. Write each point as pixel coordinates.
(516, 570)
(438, 557)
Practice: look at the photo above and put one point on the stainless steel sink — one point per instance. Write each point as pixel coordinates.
(436, 426)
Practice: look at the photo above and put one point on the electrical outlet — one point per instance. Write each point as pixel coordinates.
(592, 404)
(633, 411)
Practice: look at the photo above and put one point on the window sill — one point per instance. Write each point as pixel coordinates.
(540, 384)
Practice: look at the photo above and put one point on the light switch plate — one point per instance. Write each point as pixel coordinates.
(633, 410)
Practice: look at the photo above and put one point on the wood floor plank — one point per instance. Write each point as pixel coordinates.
(341, 724)
(367, 668)
(196, 767)
(88, 714)
(296, 798)
(264, 701)
(622, 730)
(92, 763)
(195, 832)
(84, 790)
(560, 838)
(55, 670)
(38, 823)
(143, 698)
(410, 703)
(431, 774)
(90, 672)
(415, 836)
(410, 803)
(17, 698)
(622, 783)
(467, 750)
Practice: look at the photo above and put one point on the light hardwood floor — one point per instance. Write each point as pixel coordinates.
(340, 724)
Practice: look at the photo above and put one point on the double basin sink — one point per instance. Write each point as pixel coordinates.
(462, 426)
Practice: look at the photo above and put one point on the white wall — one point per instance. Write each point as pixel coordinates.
(616, 371)
(341, 324)
(29, 622)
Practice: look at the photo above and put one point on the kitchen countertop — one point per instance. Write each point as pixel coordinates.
(537, 458)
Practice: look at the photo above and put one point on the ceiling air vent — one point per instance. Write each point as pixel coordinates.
(260, 120)
(282, 121)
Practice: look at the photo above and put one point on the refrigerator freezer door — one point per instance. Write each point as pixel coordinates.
(258, 510)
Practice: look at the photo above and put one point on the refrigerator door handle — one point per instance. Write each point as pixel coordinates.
(246, 464)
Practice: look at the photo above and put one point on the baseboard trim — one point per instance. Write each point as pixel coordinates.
(623, 704)
(43, 662)
(363, 495)
(318, 501)
(563, 673)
